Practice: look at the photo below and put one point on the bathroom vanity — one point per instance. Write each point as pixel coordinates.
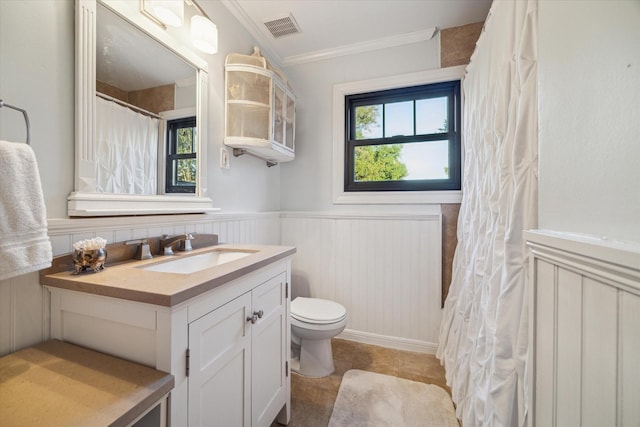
(216, 318)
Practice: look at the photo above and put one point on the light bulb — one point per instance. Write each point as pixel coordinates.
(204, 34)
(169, 12)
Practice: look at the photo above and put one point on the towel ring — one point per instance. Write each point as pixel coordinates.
(26, 118)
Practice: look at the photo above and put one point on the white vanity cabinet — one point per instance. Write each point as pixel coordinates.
(226, 347)
(260, 109)
(238, 347)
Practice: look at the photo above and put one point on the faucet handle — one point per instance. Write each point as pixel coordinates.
(144, 251)
(187, 242)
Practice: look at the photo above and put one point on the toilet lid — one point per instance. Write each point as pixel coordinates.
(316, 310)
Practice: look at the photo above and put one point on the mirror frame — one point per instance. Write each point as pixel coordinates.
(84, 201)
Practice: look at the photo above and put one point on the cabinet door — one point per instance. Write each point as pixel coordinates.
(269, 350)
(279, 105)
(219, 378)
(290, 120)
(248, 105)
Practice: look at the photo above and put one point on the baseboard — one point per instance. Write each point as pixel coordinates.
(389, 342)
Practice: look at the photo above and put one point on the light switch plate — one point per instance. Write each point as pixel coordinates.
(224, 158)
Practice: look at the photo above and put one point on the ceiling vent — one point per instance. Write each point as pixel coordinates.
(281, 27)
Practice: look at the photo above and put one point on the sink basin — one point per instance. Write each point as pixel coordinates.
(191, 264)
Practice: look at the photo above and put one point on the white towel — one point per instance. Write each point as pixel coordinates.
(24, 242)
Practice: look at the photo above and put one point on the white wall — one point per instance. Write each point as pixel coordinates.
(384, 269)
(37, 74)
(249, 185)
(589, 105)
(306, 182)
(586, 305)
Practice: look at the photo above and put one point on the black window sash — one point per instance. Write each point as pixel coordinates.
(450, 90)
(173, 126)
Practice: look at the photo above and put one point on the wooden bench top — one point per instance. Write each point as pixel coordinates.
(60, 384)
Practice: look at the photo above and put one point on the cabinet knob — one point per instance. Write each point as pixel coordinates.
(259, 314)
(253, 319)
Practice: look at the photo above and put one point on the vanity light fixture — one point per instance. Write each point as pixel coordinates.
(167, 12)
(204, 34)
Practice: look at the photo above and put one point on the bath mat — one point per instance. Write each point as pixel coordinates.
(370, 399)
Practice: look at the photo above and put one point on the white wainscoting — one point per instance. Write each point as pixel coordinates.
(384, 268)
(584, 331)
(24, 304)
(23, 313)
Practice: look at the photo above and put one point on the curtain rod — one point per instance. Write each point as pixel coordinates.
(126, 104)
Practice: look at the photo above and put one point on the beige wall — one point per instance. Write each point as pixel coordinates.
(155, 99)
(458, 43)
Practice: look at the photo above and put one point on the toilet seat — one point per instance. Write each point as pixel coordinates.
(317, 311)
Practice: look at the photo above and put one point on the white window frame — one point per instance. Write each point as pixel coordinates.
(387, 197)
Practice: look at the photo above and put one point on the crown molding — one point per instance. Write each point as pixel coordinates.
(355, 48)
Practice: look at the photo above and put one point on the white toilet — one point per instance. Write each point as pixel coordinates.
(314, 322)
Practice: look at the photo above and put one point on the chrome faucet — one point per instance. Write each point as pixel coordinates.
(166, 243)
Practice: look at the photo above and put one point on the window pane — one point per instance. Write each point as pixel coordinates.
(379, 163)
(398, 119)
(402, 162)
(186, 141)
(185, 172)
(431, 116)
(426, 160)
(369, 121)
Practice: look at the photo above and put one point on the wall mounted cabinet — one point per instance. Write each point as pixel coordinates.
(260, 109)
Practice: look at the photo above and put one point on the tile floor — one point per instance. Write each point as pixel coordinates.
(312, 398)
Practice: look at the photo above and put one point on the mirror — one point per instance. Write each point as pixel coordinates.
(130, 71)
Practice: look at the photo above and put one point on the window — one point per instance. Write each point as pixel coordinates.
(181, 156)
(341, 137)
(403, 139)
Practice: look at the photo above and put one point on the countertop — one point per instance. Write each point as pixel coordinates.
(127, 281)
(60, 384)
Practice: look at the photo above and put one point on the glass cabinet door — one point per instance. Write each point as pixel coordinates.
(290, 118)
(278, 115)
(248, 87)
(248, 103)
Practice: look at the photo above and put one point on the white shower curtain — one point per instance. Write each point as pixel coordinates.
(126, 150)
(483, 334)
